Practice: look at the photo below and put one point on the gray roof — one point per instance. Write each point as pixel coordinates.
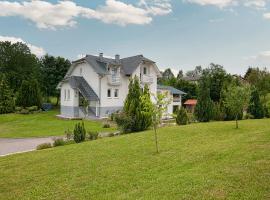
(171, 89)
(128, 65)
(78, 82)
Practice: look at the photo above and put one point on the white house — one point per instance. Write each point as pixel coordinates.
(104, 83)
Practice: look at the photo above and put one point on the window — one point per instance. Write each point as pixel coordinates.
(109, 93)
(108, 69)
(68, 96)
(65, 92)
(144, 70)
(80, 71)
(116, 92)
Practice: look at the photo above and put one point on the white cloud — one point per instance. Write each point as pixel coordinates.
(261, 59)
(47, 15)
(216, 20)
(38, 51)
(266, 15)
(258, 4)
(218, 3)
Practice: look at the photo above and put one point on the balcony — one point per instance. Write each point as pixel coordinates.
(114, 80)
(147, 79)
(176, 99)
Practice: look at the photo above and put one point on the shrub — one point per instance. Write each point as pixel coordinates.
(58, 142)
(182, 117)
(44, 146)
(32, 108)
(79, 133)
(18, 109)
(107, 125)
(24, 112)
(92, 135)
(124, 122)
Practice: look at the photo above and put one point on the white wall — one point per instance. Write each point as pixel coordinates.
(73, 100)
(88, 74)
(122, 92)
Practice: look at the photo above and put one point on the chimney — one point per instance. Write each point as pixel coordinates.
(100, 56)
(117, 58)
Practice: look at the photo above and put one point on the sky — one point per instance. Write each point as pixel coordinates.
(179, 34)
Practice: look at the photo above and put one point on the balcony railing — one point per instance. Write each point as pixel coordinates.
(176, 99)
(147, 79)
(114, 80)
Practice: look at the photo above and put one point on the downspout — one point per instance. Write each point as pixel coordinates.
(99, 88)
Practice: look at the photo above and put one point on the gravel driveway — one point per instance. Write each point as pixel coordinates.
(11, 146)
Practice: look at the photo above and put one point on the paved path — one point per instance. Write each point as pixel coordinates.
(11, 146)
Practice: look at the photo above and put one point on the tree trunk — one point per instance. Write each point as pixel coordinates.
(156, 139)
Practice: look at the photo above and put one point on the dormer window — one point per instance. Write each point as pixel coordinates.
(144, 70)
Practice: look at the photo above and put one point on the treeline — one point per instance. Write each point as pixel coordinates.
(25, 80)
(214, 88)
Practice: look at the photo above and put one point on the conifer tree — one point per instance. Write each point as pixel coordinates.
(204, 107)
(255, 107)
(6, 99)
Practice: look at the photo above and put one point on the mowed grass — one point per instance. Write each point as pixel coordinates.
(41, 125)
(198, 161)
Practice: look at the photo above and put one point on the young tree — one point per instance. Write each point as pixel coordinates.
(6, 98)
(236, 100)
(158, 109)
(204, 107)
(255, 105)
(182, 117)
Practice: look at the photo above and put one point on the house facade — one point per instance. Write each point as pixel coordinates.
(103, 82)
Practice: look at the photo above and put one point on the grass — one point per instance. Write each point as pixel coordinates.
(198, 161)
(41, 125)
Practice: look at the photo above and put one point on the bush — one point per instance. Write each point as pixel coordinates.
(92, 135)
(18, 109)
(79, 133)
(24, 112)
(182, 117)
(58, 142)
(124, 122)
(106, 125)
(32, 108)
(218, 113)
(44, 146)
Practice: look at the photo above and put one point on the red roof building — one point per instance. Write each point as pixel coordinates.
(190, 105)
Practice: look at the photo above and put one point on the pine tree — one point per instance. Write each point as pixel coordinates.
(255, 107)
(6, 99)
(204, 107)
(137, 107)
(146, 108)
(182, 117)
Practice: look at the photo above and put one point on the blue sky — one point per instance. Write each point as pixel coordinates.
(175, 33)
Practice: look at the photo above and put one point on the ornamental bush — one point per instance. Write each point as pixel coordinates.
(182, 117)
(79, 133)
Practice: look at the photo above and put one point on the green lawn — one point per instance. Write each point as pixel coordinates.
(40, 125)
(198, 161)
